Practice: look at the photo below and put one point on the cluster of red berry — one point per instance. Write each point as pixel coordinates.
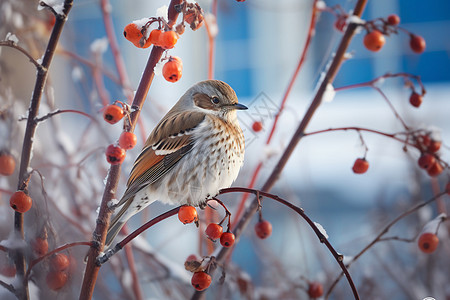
(165, 37)
(115, 154)
(374, 40)
(188, 214)
(60, 266)
(429, 159)
(58, 275)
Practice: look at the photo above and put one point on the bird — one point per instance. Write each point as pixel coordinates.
(194, 151)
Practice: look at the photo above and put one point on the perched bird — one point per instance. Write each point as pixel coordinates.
(194, 151)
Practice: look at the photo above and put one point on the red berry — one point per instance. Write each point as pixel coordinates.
(426, 161)
(8, 270)
(214, 231)
(360, 166)
(425, 140)
(257, 126)
(315, 289)
(168, 39)
(115, 155)
(434, 146)
(194, 17)
(263, 229)
(20, 202)
(435, 169)
(133, 34)
(113, 114)
(7, 164)
(192, 257)
(415, 99)
(417, 43)
(374, 40)
(180, 28)
(201, 280)
(393, 19)
(59, 262)
(428, 242)
(56, 280)
(227, 239)
(173, 69)
(127, 140)
(40, 246)
(340, 23)
(154, 37)
(187, 214)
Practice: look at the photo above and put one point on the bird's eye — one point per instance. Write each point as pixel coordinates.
(215, 100)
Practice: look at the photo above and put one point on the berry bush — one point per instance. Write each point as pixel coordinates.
(66, 151)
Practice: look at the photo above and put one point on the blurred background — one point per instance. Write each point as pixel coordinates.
(257, 49)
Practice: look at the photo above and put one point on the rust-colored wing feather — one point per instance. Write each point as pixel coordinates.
(167, 144)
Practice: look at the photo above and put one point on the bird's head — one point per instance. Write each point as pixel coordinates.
(212, 97)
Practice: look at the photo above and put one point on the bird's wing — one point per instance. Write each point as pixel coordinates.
(167, 144)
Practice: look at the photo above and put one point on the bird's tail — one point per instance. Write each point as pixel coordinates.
(116, 224)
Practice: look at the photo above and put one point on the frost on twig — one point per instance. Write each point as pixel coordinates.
(55, 6)
(99, 46)
(329, 93)
(321, 229)
(12, 38)
(163, 12)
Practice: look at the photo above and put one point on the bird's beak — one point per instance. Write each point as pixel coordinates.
(239, 106)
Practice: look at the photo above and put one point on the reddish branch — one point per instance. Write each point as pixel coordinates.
(111, 35)
(311, 30)
(118, 59)
(389, 135)
(300, 211)
(102, 259)
(299, 133)
(99, 235)
(211, 39)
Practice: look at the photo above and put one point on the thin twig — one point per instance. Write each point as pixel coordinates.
(379, 236)
(7, 286)
(23, 51)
